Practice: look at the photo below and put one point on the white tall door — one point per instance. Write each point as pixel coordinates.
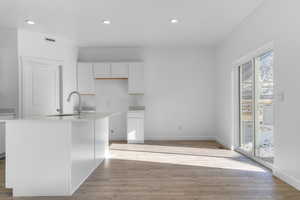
(41, 88)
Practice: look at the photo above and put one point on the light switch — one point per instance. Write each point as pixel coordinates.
(108, 103)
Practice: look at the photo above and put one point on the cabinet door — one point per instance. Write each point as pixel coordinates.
(101, 138)
(136, 78)
(85, 78)
(102, 70)
(135, 130)
(2, 138)
(119, 70)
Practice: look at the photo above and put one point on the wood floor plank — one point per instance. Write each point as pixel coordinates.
(177, 170)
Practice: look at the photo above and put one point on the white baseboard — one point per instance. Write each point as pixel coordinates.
(178, 138)
(135, 141)
(222, 143)
(287, 178)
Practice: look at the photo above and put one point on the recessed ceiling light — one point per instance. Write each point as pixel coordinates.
(106, 22)
(174, 21)
(28, 21)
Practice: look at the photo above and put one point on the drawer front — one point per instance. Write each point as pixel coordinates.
(136, 114)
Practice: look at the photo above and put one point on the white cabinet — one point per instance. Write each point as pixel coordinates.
(119, 70)
(2, 138)
(101, 138)
(136, 78)
(85, 78)
(102, 70)
(133, 71)
(111, 70)
(135, 127)
(57, 160)
(3, 117)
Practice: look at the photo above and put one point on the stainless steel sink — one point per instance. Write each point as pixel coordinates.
(64, 115)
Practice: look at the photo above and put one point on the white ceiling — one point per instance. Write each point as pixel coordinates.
(134, 22)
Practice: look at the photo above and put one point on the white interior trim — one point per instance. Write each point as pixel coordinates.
(20, 92)
(265, 48)
(256, 159)
(286, 178)
(177, 138)
(235, 100)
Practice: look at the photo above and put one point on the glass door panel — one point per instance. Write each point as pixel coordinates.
(246, 107)
(264, 93)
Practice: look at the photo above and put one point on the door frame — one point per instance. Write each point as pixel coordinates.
(236, 101)
(38, 59)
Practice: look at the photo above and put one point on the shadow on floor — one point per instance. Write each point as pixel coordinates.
(169, 170)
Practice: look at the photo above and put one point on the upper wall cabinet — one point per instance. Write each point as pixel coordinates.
(102, 70)
(119, 70)
(136, 78)
(111, 70)
(133, 71)
(85, 78)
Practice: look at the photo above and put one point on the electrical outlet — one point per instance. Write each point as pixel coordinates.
(112, 131)
(179, 128)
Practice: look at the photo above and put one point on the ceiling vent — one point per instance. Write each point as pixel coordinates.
(49, 39)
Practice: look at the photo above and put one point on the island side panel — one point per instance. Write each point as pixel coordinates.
(101, 139)
(38, 157)
(83, 162)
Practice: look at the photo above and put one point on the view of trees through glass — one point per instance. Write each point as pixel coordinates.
(264, 106)
(256, 106)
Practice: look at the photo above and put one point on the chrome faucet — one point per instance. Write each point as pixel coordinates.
(79, 100)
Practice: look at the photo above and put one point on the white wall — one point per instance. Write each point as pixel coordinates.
(8, 69)
(34, 45)
(179, 88)
(274, 20)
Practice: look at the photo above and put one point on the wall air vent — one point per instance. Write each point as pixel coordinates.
(49, 39)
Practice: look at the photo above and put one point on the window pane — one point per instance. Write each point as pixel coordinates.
(264, 106)
(246, 107)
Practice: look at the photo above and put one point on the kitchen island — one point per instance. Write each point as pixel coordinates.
(53, 155)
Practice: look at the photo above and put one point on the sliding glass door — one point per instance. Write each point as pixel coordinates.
(264, 93)
(256, 107)
(247, 107)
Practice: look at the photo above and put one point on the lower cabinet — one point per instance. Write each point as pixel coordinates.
(2, 139)
(53, 157)
(101, 139)
(135, 127)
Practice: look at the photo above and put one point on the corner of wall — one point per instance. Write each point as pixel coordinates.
(223, 143)
(287, 178)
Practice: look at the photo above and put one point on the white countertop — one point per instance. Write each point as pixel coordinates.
(82, 116)
(136, 108)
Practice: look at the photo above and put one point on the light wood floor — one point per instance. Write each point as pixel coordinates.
(176, 170)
